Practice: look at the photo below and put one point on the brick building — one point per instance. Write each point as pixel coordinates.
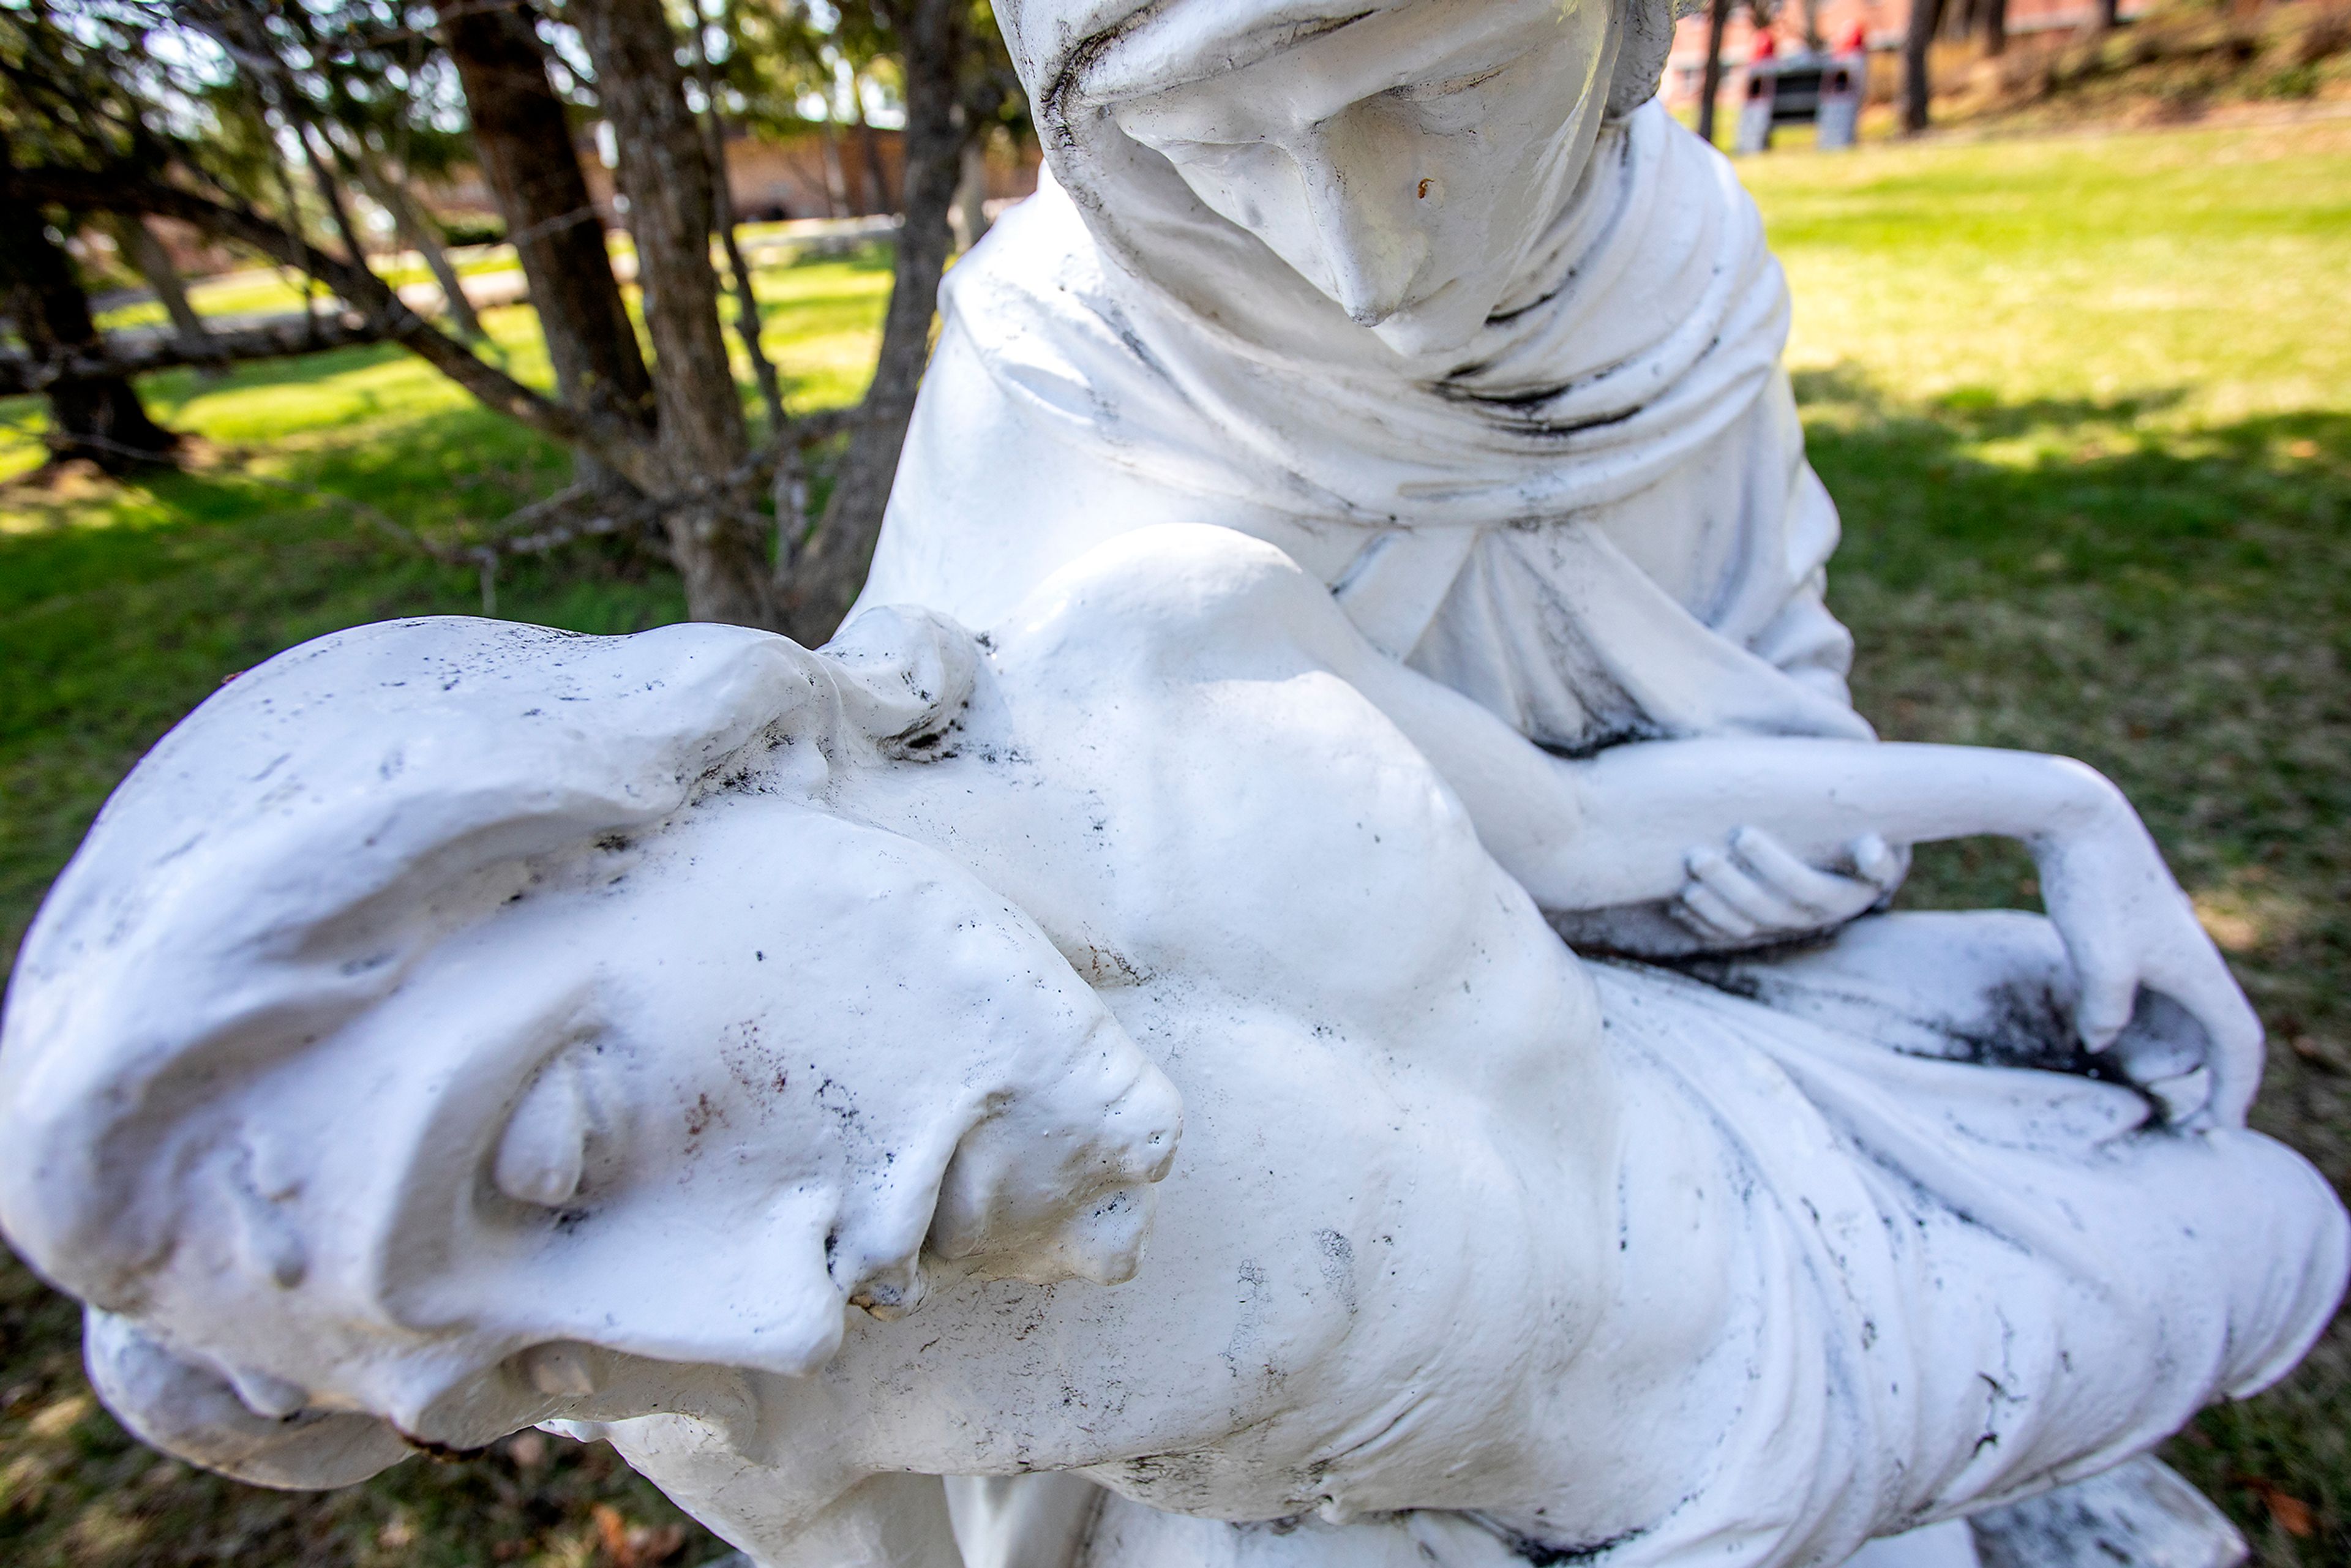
(806, 175)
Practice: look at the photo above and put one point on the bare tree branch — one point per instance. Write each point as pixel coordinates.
(273, 341)
(360, 288)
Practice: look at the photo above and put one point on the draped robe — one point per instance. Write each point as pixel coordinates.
(1596, 517)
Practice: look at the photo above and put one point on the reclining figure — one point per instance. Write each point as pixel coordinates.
(773, 1063)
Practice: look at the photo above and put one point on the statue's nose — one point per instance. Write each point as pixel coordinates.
(1371, 252)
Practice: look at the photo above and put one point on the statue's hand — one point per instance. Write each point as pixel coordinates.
(2127, 925)
(1756, 892)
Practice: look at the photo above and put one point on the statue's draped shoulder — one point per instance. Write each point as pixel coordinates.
(1596, 517)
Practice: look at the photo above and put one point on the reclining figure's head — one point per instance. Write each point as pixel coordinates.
(448, 1013)
(1400, 155)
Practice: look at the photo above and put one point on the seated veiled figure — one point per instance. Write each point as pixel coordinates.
(1431, 295)
(776, 1062)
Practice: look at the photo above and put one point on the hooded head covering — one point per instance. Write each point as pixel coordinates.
(1593, 516)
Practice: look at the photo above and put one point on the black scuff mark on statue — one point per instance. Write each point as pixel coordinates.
(1723, 975)
(700, 1117)
(1173, 1483)
(1588, 745)
(1241, 1351)
(1998, 1398)
(1624, 1210)
(1545, 1555)
(2027, 1024)
(942, 743)
(1337, 1266)
(1273, 40)
(1504, 318)
(1131, 341)
(1516, 408)
(1063, 88)
(754, 1066)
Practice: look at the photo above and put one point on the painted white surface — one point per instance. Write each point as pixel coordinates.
(1560, 471)
(773, 1063)
(1427, 302)
(1136, 1045)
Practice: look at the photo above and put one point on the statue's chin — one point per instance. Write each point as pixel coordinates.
(1440, 324)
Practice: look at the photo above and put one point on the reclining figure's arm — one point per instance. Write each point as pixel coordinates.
(1657, 820)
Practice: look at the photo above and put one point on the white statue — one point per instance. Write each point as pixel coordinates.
(773, 1063)
(1428, 295)
(1432, 297)
(772, 1060)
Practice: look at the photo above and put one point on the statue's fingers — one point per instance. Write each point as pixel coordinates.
(2214, 1001)
(1707, 906)
(1697, 925)
(1824, 896)
(1764, 907)
(2110, 993)
(1876, 861)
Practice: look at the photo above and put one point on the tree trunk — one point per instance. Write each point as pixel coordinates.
(722, 202)
(2109, 14)
(1995, 27)
(524, 143)
(877, 179)
(146, 254)
(723, 555)
(100, 418)
(1916, 40)
(416, 233)
(371, 299)
(836, 185)
(828, 576)
(1718, 18)
(970, 220)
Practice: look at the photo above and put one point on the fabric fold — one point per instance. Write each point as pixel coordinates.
(1596, 517)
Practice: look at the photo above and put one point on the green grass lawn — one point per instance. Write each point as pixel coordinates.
(2087, 404)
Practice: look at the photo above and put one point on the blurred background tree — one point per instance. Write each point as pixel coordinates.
(296, 129)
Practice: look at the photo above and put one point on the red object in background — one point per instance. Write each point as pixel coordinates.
(1765, 47)
(1856, 40)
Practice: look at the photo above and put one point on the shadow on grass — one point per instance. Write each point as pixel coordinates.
(1973, 484)
(2171, 601)
(168, 391)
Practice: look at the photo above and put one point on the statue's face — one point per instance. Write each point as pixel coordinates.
(679, 1110)
(1401, 162)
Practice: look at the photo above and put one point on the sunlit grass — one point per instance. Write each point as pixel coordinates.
(2086, 404)
(820, 318)
(2025, 269)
